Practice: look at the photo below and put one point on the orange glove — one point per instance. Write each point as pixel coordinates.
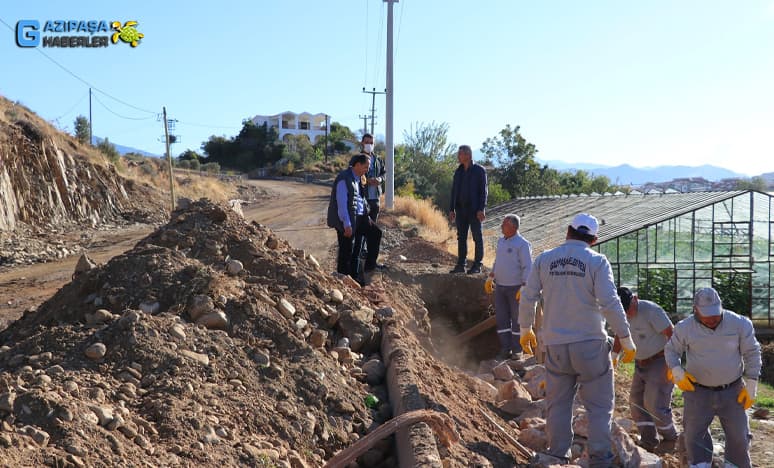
(489, 285)
(629, 350)
(518, 295)
(528, 340)
(747, 395)
(682, 379)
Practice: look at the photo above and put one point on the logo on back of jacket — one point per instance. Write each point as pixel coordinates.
(567, 266)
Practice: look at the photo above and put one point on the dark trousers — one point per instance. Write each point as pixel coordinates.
(348, 260)
(373, 209)
(369, 232)
(468, 221)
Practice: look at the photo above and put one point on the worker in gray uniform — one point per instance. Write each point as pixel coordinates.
(720, 378)
(579, 296)
(513, 262)
(651, 392)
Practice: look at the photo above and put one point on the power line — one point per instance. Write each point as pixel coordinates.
(73, 107)
(400, 23)
(119, 115)
(379, 44)
(40, 50)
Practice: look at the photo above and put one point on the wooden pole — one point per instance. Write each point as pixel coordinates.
(169, 159)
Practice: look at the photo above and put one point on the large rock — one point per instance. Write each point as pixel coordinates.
(200, 305)
(512, 390)
(534, 439)
(359, 328)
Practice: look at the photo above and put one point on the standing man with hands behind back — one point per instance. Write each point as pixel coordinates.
(467, 211)
(722, 366)
(374, 176)
(579, 296)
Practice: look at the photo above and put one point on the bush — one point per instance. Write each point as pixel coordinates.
(109, 150)
(212, 168)
(195, 165)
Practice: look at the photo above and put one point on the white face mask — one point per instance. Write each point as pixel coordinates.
(368, 148)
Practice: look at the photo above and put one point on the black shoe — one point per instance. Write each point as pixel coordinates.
(458, 269)
(476, 268)
(503, 355)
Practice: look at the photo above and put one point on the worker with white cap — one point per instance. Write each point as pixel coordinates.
(579, 295)
(720, 378)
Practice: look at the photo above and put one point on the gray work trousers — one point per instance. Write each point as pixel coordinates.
(507, 317)
(650, 401)
(584, 367)
(701, 406)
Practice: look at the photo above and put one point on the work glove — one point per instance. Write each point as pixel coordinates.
(528, 340)
(628, 349)
(489, 285)
(682, 379)
(518, 295)
(747, 395)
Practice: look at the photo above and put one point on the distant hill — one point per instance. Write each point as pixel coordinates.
(122, 150)
(626, 174)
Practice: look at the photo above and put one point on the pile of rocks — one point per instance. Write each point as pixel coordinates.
(517, 387)
(211, 342)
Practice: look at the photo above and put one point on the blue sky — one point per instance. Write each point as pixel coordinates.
(685, 82)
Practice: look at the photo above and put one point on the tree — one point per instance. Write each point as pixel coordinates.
(756, 183)
(255, 146)
(338, 137)
(189, 154)
(109, 150)
(427, 161)
(82, 129)
(514, 160)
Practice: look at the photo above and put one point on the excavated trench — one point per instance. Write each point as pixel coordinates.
(456, 303)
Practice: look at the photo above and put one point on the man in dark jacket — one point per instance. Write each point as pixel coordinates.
(348, 214)
(468, 205)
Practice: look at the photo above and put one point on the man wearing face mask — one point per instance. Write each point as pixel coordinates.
(720, 378)
(374, 176)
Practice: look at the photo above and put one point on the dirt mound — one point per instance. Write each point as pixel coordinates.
(211, 342)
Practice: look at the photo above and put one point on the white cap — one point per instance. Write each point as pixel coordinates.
(708, 302)
(585, 224)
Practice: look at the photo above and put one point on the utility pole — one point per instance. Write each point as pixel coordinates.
(327, 126)
(389, 196)
(365, 123)
(373, 94)
(169, 158)
(91, 137)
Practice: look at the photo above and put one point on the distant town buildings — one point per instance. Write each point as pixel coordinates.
(313, 126)
(692, 184)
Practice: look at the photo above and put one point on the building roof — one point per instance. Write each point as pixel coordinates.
(544, 220)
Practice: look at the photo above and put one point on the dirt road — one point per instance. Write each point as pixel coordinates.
(292, 209)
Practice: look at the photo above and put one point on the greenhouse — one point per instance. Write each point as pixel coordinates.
(667, 245)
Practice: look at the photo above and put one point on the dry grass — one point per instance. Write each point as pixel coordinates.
(154, 172)
(434, 226)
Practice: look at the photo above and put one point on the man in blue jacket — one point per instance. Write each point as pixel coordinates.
(467, 211)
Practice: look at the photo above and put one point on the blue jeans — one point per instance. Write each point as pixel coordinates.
(468, 221)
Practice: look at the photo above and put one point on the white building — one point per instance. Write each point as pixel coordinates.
(290, 123)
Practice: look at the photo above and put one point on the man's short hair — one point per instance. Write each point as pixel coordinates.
(366, 135)
(358, 159)
(466, 149)
(514, 219)
(625, 294)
